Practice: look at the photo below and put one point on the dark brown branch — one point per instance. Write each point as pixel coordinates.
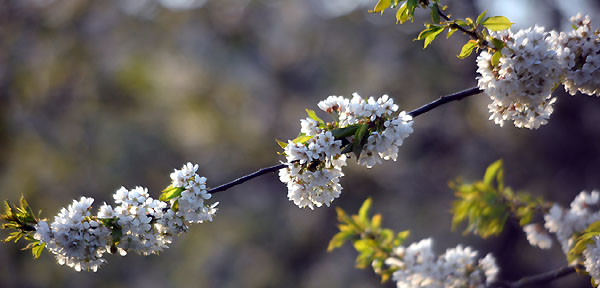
(537, 279)
(243, 179)
(443, 100)
(423, 109)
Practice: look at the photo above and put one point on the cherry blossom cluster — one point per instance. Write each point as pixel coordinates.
(521, 84)
(532, 64)
(584, 210)
(579, 54)
(138, 224)
(314, 163)
(418, 266)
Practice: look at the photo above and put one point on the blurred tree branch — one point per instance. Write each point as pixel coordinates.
(539, 278)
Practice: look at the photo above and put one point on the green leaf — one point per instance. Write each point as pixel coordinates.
(402, 14)
(376, 221)
(480, 17)
(363, 212)
(381, 6)
(435, 15)
(467, 49)
(496, 58)
(339, 133)
(430, 34)
(498, 44)
(359, 139)
(338, 240)
(496, 23)
(411, 5)
(450, 32)
(171, 193)
(492, 171)
(37, 249)
(281, 144)
(313, 115)
(302, 139)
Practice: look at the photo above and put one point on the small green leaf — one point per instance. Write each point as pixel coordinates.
(430, 34)
(492, 171)
(411, 5)
(480, 17)
(496, 23)
(360, 139)
(338, 240)
(450, 32)
(467, 49)
(363, 212)
(498, 44)
(37, 249)
(401, 14)
(496, 58)
(381, 6)
(171, 193)
(435, 15)
(313, 115)
(339, 133)
(302, 139)
(281, 144)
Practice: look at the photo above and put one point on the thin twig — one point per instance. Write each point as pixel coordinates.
(443, 100)
(537, 279)
(425, 108)
(243, 179)
(472, 34)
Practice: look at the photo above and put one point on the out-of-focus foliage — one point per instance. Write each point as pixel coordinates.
(487, 204)
(21, 219)
(373, 243)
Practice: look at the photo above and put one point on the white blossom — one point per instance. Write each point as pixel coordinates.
(314, 166)
(538, 236)
(521, 85)
(74, 237)
(458, 267)
(591, 257)
(565, 222)
(579, 55)
(139, 223)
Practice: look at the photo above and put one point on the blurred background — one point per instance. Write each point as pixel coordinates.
(99, 94)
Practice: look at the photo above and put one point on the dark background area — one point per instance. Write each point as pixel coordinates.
(95, 95)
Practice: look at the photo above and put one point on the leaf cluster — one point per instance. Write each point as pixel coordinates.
(487, 204)
(440, 23)
(21, 219)
(373, 243)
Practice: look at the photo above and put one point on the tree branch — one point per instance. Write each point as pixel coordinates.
(423, 109)
(472, 34)
(538, 279)
(243, 179)
(443, 100)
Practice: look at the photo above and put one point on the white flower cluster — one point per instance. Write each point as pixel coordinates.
(591, 261)
(533, 64)
(314, 166)
(458, 267)
(521, 85)
(579, 54)
(138, 224)
(384, 145)
(74, 237)
(313, 186)
(584, 211)
(137, 215)
(192, 206)
(537, 236)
